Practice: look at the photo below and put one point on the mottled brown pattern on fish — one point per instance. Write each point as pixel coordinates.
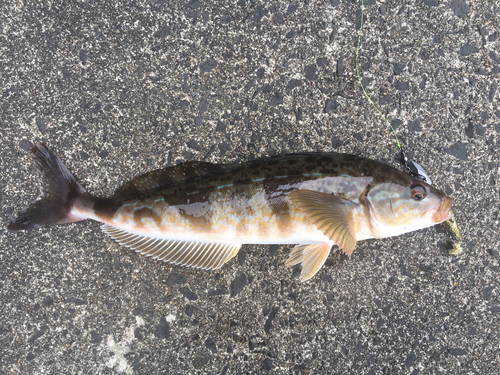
(185, 187)
(146, 213)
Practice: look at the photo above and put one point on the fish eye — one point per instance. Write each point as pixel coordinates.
(418, 192)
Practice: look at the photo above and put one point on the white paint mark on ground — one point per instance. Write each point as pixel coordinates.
(118, 362)
(170, 318)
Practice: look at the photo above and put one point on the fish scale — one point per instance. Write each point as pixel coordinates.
(199, 214)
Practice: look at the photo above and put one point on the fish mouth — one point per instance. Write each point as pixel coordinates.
(443, 212)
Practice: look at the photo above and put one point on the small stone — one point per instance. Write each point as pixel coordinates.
(198, 120)
(38, 334)
(278, 19)
(259, 13)
(96, 108)
(25, 145)
(470, 130)
(336, 143)
(267, 364)
(162, 32)
(457, 351)
(340, 67)
(292, 8)
(365, 81)
(186, 292)
(487, 293)
(326, 278)
(380, 323)
(203, 106)
(494, 253)
(276, 99)
(224, 147)
(396, 123)
(238, 284)
(95, 338)
(410, 360)
(321, 61)
(492, 92)
(41, 125)
(398, 68)
(208, 66)
(138, 333)
(103, 154)
(310, 72)
(48, 301)
(83, 56)
(359, 136)
(403, 86)
(459, 150)
(66, 72)
(414, 126)
(459, 7)
(138, 310)
(241, 257)
(260, 72)
(162, 329)
(195, 4)
(422, 83)
(384, 99)
(216, 292)
(189, 310)
(269, 321)
(293, 83)
(423, 55)
(299, 114)
(200, 361)
(185, 104)
(193, 144)
(331, 106)
(210, 344)
(468, 49)
(175, 278)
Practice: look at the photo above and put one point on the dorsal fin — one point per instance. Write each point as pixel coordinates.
(168, 176)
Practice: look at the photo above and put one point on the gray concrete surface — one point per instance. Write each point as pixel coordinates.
(119, 88)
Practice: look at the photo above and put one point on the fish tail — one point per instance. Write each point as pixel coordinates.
(59, 191)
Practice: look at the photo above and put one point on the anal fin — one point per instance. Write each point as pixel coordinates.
(312, 257)
(205, 255)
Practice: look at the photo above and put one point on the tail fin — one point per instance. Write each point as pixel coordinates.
(58, 191)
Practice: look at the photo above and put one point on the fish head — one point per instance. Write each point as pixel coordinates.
(394, 208)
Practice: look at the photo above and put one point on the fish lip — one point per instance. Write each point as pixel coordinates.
(443, 212)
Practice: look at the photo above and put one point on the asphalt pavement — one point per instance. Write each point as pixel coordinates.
(118, 88)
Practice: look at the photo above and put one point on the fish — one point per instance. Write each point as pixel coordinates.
(199, 214)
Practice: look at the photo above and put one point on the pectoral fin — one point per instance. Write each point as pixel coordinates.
(312, 257)
(331, 214)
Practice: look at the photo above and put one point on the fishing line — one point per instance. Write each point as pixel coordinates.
(411, 167)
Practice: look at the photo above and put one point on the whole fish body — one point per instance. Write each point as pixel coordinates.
(199, 214)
